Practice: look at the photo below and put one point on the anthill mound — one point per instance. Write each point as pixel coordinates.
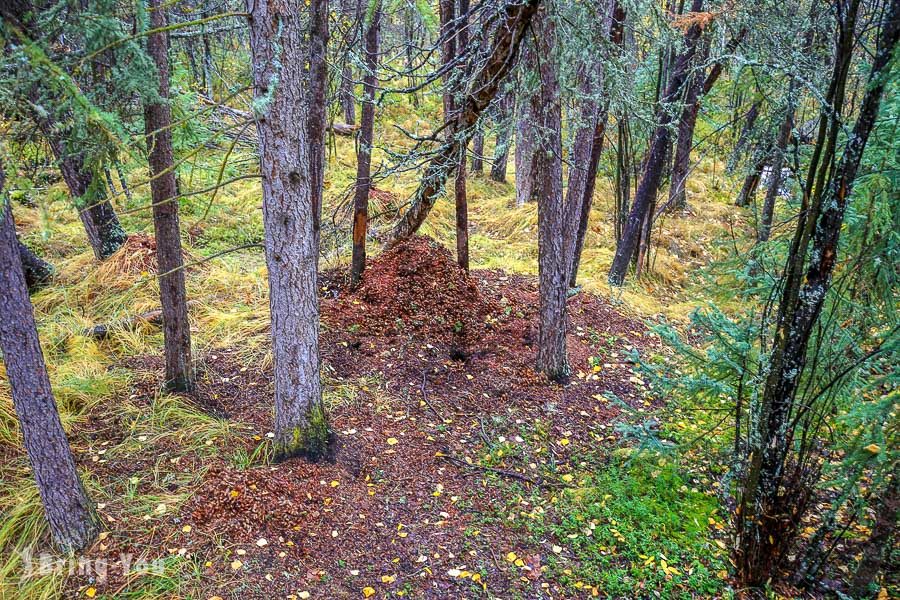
(137, 256)
(417, 287)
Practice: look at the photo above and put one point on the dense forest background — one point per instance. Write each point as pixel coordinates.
(465, 298)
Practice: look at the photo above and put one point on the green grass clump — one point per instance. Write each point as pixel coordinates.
(633, 529)
(646, 526)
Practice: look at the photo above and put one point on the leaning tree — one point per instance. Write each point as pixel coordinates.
(70, 512)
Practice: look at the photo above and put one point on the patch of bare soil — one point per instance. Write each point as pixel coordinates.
(437, 413)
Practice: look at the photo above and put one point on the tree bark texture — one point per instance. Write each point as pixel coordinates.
(101, 224)
(775, 179)
(70, 513)
(525, 135)
(348, 101)
(164, 193)
(751, 182)
(207, 54)
(284, 52)
(37, 271)
(746, 132)
(316, 120)
(478, 153)
(546, 170)
(353, 10)
(681, 162)
(364, 156)
(459, 190)
(698, 86)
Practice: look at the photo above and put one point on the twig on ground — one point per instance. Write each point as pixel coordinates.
(503, 473)
(427, 402)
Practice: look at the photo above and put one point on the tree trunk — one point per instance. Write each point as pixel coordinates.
(623, 177)
(409, 28)
(525, 136)
(37, 271)
(316, 120)
(751, 182)
(777, 165)
(364, 157)
(587, 150)
(448, 53)
(580, 209)
(700, 85)
(641, 254)
(546, 171)
(164, 193)
(462, 202)
(462, 214)
(285, 37)
(483, 86)
(101, 224)
(351, 9)
(348, 101)
(105, 234)
(682, 161)
(207, 55)
(766, 513)
(746, 131)
(70, 513)
(122, 181)
(501, 149)
(478, 153)
(656, 158)
(191, 51)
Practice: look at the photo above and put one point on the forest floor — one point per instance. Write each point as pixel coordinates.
(456, 469)
(456, 472)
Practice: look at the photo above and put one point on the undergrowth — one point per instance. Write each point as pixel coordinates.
(640, 514)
